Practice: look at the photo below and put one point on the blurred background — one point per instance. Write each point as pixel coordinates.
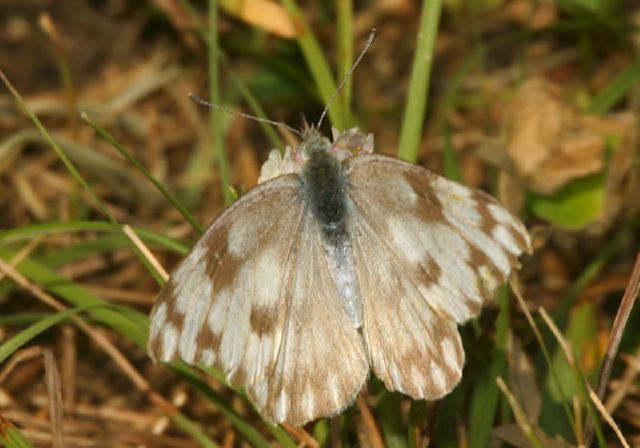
(536, 102)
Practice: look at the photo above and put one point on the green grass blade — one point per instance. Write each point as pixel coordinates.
(417, 419)
(449, 157)
(588, 275)
(282, 436)
(390, 418)
(616, 90)
(445, 431)
(591, 410)
(10, 436)
(248, 431)
(416, 103)
(83, 249)
(486, 394)
(72, 169)
(108, 137)
(322, 433)
(77, 296)
(21, 319)
(28, 232)
(242, 87)
(345, 53)
(14, 343)
(317, 64)
(58, 150)
(579, 385)
(214, 97)
(278, 432)
(561, 383)
(544, 343)
(190, 428)
(253, 103)
(126, 321)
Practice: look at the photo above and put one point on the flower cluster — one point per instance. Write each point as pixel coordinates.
(345, 144)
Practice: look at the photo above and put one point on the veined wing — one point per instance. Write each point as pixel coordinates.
(428, 252)
(253, 299)
(224, 305)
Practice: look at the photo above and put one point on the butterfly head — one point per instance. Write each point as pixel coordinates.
(313, 142)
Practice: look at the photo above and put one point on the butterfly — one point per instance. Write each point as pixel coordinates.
(339, 262)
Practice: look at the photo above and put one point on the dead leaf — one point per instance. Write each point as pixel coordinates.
(513, 435)
(622, 184)
(265, 14)
(547, 141)
(522, 379)
(548, 144)
(179, 17)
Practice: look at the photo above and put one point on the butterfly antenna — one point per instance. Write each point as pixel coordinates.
(347, 76)
(204, 102)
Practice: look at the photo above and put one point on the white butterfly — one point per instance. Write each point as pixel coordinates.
(343, 265)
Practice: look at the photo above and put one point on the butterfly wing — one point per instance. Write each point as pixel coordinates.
(428, 252)
(254, 299)
(204, 311)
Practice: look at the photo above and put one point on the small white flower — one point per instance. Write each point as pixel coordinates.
(271, 168)
(346, 144)
(277, 164)
(351, 143)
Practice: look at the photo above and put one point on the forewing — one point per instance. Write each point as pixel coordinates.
(460, 241)
(428, 252)
(322, 363)
(254, 298)
(226, 302)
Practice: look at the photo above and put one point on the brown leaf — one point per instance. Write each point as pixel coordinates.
(522, 378)
(265, 14)
(513, 435)
(547, 140)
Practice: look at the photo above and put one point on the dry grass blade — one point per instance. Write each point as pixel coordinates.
(50, 28)
(144, 250)
(592, 395)
(577, 411)
(101, 340)
(607, 417)
(55, 397)
(371, 431)
(23, 253)
(336, 439)
(522, 378)
(54, 390)
(302, 436)
(626, 383)
(568, 353)
(619, 324)
(519, 414)
(69, 365)
(515, 287)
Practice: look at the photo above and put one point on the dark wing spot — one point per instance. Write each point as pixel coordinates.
(488, 222)
(262, 320)
(430, 208)
(167, 295)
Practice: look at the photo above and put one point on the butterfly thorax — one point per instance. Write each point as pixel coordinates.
(324, 184)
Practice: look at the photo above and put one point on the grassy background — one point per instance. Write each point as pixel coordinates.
(103, 158)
